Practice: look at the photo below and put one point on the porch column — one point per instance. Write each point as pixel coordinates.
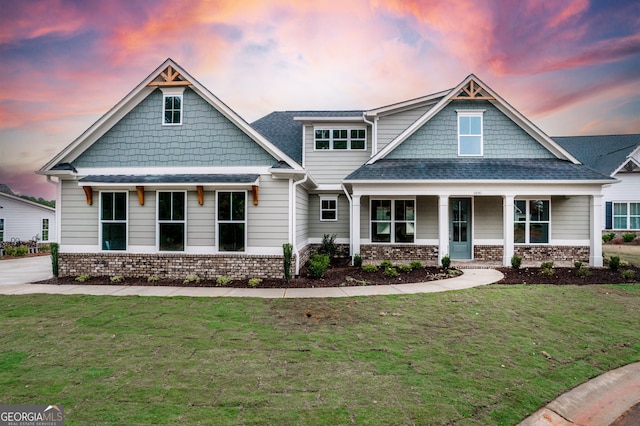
(355, 225)
(507, 226)
(595, 230)
(443, 226)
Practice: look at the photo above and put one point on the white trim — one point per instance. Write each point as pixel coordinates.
(184, 221)
(172, 92)
(101, 222)
(411, 103)
(175, 170)
(352, 119)
(528, 222)
(42, 219)
(392, 219)
(218, 221)
(333, 198)
(348, 139)
(471, 113)
(627, 215)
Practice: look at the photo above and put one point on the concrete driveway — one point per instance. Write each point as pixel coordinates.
(26, 270)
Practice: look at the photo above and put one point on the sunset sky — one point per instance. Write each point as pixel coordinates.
(571, 66)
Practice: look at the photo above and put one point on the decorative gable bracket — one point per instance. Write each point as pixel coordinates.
(473, 92)
(169, 77)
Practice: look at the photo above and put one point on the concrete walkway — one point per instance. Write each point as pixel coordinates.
(15, 276)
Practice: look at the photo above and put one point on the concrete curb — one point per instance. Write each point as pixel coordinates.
(598, 402)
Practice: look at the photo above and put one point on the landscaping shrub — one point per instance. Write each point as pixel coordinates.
(369, 268)
(10, 251)
(191, 278)
(614, 263)
(583, 272)
(446, 261)
(319, 264)
(328, 246)
(22, 250)
(54, 258)
(83, 278)
(608, 237)
(577, 264)
(153, 279)
(287, 255)
(44, 248)
(254, 282)
(546, 268)
(516, 261)
(628, 273)
(223, 280)
(391, 272)
(403, 267)
(416, 264)
(386, 264)
(357, 260)
(116, 279)
(629, 237)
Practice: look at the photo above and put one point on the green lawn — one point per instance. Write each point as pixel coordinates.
(630, 253)
(470, 357)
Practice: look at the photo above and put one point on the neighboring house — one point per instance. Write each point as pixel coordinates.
(617, 156)
(25, 220)
(171, 181)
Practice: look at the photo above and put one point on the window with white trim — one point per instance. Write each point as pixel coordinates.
(1, 229)
(532, 221)
(340, 139)
(392, 221)
(172, 110)
(626, 215)
(328, 209)
(45, 229)
(470, 133)
(113, 221)
(172, 220)
(232, 219)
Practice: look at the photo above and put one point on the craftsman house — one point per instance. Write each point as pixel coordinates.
(617, 156)
(171, 181)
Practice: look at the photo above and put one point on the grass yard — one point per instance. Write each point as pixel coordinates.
(630, 253)
(470, 357)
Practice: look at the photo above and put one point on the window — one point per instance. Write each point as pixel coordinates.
(470, 134)
(392, 221)
(340, 139)
(626, 215)
(113, 220)
(1, 229)
(532, 221)
(172, 109)
(231, 221)
(329, 209)
(171, 221)
(45, 229)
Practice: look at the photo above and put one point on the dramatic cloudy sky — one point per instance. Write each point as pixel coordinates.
(572, 66)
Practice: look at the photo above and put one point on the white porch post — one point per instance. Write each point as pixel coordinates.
(507, 222)
(443, 226)
(595, 230)
(355, 225)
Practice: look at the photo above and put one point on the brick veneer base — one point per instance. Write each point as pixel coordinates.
(553, 253)
(488, 253)
(172, 266)
(376, 253)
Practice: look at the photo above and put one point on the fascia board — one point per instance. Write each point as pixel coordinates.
(480, 181)
(399, 106)
(308, 120)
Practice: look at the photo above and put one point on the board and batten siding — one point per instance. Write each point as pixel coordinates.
(487, 218)
(390, 126)
(570, 218)
(318, 228)
(79, 221)
(331, 166)
(268, 222)
(23, 219)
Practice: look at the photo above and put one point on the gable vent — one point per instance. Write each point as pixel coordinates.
(169, 77)
(473, 91)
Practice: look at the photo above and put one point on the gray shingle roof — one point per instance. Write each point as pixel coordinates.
(136, 179)
(475, 169)
(602, 153)
(283, 131)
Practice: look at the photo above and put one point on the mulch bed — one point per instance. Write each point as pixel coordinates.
(567, 276)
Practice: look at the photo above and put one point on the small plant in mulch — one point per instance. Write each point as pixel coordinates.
(583, 272)
(546, 268)
(328, 246)
(116, 279)
(191, 279)
(403, 267)
(319, 264)
(416, 264)
(629, 237)
(254, 282)
(608, 237)
(153, 279)
(357, 260)
(386, 264)
(516, 261)
(83, 278)
(223, 281)
(446, 261)
(370, 268)
(628, 274)
(614, 263)
(352, 281)
(391, 272)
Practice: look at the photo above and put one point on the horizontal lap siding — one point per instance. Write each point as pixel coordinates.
(302, 216)
(570, 218)
(79, 220)
(390, 126)
(24, 221)
(340, 227)
(201, 219)
(488, 218)
(268, 222)
(427, 217)
(364, 218)
(142, 219)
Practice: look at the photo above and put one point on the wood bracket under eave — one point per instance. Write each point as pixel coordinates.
(88, 193)
(255, 194)
(140, 191)
(200, 190)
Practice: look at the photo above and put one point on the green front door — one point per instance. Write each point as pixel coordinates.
(460, 228)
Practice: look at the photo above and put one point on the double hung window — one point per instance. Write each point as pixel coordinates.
(329, 209)
(626, 215)
(393, 221)
(113, 221)
(171, 221)
(1, 230)
(45, 229)
(470, 137)
(231, 220)
(532, 221)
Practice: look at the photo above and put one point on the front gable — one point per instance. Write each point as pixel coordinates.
(205, 138)
(438, 137)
